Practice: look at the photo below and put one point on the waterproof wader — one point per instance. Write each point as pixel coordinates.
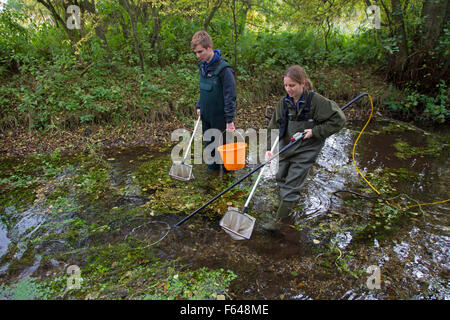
(321, 115)
(296, 162)
(294, 167)
(212, 107)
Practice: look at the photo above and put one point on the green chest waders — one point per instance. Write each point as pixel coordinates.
(212, 106)
(295, 164)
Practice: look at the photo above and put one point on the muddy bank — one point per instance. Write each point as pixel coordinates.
(18, 142)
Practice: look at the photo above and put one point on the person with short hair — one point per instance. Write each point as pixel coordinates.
(217, 103)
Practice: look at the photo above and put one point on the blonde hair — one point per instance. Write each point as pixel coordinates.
(201, 38)
(298, 74)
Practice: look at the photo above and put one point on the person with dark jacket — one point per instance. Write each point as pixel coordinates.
(301, 110)
(217, 103)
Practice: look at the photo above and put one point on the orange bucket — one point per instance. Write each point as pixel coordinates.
(233, 155)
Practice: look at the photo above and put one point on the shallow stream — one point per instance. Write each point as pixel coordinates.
(93, 211)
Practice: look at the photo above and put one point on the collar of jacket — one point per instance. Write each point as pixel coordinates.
(204, 66)
(300, 101)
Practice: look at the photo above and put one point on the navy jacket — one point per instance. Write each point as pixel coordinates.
(229, 86)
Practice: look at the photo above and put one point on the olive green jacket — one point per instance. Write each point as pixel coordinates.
(327, 118)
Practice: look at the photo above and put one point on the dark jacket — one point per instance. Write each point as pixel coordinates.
(226, 77)
(327, 118)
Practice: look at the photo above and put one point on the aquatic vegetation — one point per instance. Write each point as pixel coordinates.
(405, 151)
(170, 195)
(79, 205)
(93, 210)
(24, 289)
(197, 284)
(393, 127)
(116, 272)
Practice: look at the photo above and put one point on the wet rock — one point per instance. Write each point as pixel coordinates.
(54, 263)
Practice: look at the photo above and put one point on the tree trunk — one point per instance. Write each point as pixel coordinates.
(432, 66)
(434, 13)
(420, 66)
(136, 43)
(208, 19)
(88, 6)
(133, 20)
(100, 33)
(235, 35)
(400, 60)
(155, 40)
(327, 33)
(59, 20)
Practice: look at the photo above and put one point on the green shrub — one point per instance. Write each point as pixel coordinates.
(421, 107)
(13, 39)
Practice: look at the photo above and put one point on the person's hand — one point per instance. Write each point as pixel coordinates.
(230, 127)
(268, 155)
(308, 134)
(198, 112)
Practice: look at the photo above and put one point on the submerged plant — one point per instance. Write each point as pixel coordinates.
(24, 289)
(406, 151)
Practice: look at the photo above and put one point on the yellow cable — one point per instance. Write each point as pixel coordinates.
(354, 148)
(357, 169)
(428, 203)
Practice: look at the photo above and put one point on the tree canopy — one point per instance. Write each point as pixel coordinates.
(410, 45)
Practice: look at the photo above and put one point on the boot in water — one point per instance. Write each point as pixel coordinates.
(283, 211)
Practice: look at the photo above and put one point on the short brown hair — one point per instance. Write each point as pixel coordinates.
(298, 74)
(201, 38)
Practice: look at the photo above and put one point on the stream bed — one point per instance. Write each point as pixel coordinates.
(97, 213)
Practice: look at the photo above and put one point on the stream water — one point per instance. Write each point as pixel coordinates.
(337, 246)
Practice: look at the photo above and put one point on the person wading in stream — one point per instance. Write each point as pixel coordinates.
(217, 102)
(301, 110)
